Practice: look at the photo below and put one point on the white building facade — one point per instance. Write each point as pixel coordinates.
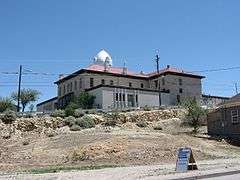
(118, 88)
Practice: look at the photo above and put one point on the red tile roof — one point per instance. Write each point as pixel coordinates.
(119, 71)
(114, 70)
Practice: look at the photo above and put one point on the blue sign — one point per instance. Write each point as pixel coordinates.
(184, 155)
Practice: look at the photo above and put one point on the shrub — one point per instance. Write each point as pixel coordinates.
(19, 114)
(9, 117)
(75, 127)
(91, 111)
(70, 109)
(85, 100)
(112, 118)
(113, 115)
(69, 121)
(157, 127)
(6, 104)
(110, 122)
(58, 113)
(142, 124)
(28, 115)
(146, 108)
(195, 112)
(85, 122)
(78, 113)
(5, 134)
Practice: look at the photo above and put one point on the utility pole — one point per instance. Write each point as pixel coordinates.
(236, 88)
(157, 61)
(19, 87)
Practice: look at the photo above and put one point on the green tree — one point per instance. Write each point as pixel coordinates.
(70, 109)
(85, 100)
(6, 104)
(195, 112)
(26, 97)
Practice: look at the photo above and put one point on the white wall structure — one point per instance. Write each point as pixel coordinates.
(121, 97)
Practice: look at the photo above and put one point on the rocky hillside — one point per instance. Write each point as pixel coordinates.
(130, 138)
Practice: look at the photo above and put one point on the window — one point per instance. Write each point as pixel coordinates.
(142, 86)
(75, 85)
(59, 91)
(130, 84)
(123, 97)
(64, 89)
(111, 82)
(116, 96)
(71, 86)
(68, 88)
(120, 96)
(80, 83)
(103, 81)
(180, 82)
(136, 98)
(163, 81)
(156, 84)
(180, 90)
(91, 82)
(234, 115)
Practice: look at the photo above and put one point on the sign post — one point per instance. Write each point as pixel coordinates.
(185, 160)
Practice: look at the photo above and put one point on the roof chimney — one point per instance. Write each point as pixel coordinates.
(124, 69)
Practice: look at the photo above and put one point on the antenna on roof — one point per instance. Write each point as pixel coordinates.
(157, 60)
(236, 88)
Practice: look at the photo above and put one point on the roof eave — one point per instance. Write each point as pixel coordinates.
(176, 73)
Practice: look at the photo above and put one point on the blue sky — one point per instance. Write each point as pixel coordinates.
(60, 36)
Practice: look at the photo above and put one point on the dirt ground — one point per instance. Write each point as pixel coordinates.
(124, 145)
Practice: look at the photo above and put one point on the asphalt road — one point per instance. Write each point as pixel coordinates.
(215, 169)
(215, 176)
(228, 177)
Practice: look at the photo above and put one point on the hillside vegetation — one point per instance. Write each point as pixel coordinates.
(111, 139)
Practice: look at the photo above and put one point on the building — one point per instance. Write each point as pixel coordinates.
(118, 87)
(225, 120)
(209, 101)
(48, 106)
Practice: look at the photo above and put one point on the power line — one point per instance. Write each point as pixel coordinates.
(217, 70)
(53, 74)
(37, 85)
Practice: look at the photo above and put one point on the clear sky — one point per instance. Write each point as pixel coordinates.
(61, 36)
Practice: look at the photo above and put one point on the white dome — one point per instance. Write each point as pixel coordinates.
(103, 57)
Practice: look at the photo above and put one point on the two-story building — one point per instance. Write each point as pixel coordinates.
(118, 87)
